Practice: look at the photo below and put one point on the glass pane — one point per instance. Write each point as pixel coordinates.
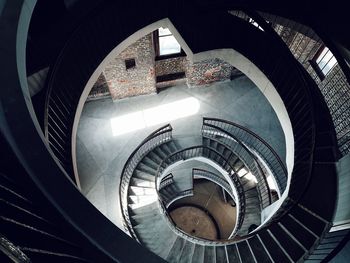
(329, 65)
(164, 31)
(324, 51)
(325, 59)
(168, 45)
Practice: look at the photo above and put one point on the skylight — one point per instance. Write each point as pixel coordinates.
(153, 116)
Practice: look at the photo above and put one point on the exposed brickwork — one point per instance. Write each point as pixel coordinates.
(136, 81)
(334, 87)
(336, 91)
(209, 71)
(171, 65)
(100, 89)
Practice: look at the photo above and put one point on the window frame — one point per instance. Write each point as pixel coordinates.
(316, 65)
(157, 48)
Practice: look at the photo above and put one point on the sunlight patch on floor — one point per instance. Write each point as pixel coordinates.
(154, 116)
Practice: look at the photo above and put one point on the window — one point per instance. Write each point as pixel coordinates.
(130, 63)
(252, 21)
(165, 43)
(323, 62)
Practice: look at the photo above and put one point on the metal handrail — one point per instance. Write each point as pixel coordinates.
(197, 172)
(179, 195)
(166, 180)
(159, 136)
(251, 162)
(266, 152)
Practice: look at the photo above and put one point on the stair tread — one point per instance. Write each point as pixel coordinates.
(176, 250)
(198, 254)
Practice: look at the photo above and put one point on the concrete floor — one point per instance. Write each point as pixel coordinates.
(101, 156)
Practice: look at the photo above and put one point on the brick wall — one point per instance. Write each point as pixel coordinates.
(336, 91)
(208, 71)
(171, 65)
(334, 87)
(100, 89)
(135, 81)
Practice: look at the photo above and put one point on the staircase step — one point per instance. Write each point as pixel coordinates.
(146, 168)
(259, 250)
(187, 252)
(205, 141)
(220, 254)
(155, 157)
(213, 144)
(176, 250)
(137, 209)
(209, 254)
(160, 153)
(302, 234)
(166, 242)
(274, 248)
(149, 228)
(141, 183)
(226, 153)
(245, 252)
(136, 190)
(150, 163)
(233, 254)
(142, 200)
(173, 147)
(309, 220)
(198, 254)
(287, 241)
(143, 175)
(152, 210)
(166, 149)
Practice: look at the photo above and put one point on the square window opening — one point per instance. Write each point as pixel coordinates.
(130, 63)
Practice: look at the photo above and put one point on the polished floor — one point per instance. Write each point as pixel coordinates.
(101, 154)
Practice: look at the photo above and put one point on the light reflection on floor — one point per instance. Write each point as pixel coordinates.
(155, 115)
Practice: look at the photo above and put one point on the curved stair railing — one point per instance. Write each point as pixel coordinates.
(247, 157)
(161, 135)
(217, 179)
(177, 196)
(60, 107)
(258, 145)
(169, 192)
(166, 180)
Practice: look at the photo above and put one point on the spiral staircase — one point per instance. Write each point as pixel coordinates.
(41, 222)
(147, 190)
